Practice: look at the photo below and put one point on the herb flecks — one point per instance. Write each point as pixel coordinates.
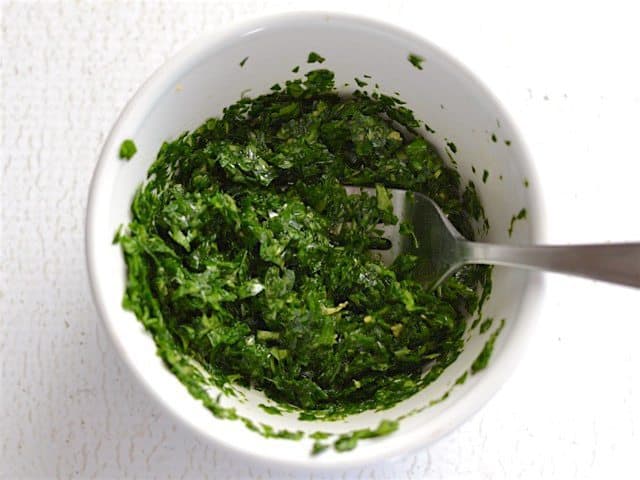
(481, 362)
(521, 215)
(486, 325)
(349, 441)
(270, 409)
(315, 58)
(416, 60)
(461, 379)
(127, 149)
(360, 83)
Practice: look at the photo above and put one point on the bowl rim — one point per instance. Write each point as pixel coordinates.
(501, 367)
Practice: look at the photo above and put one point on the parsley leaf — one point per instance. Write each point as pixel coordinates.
(416, 60)
(127, 149)
(315, 57)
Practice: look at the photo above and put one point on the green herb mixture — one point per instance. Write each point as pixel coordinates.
(245, 254)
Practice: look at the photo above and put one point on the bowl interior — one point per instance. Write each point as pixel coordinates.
(206, 77)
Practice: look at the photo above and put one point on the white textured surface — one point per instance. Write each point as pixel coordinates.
(68, 408)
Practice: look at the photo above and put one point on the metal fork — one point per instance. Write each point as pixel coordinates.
(441, 249)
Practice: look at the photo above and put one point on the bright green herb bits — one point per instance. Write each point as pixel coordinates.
(250, 265)
(482, 360)
(319, 447)
(349, 441)
(127, 149)
(461, 379)
(486, 325)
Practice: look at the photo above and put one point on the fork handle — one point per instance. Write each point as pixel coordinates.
(615, 262)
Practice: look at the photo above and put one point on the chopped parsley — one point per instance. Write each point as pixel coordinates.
(349, 441)
(319, 447)
(416, 60)
(360, 83)
(315, 58)
(128, 149)
(481, 362)
(462, 378)
(270, 409)
(250, 265)
(522, 214)
(486, 325)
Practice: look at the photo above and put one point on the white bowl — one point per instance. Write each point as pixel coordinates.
(202, 79)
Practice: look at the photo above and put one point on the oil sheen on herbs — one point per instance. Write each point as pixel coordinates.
(245, 254)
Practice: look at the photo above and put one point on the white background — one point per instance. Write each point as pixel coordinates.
(570, 74)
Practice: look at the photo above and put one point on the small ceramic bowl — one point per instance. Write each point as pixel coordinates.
(207, 76)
